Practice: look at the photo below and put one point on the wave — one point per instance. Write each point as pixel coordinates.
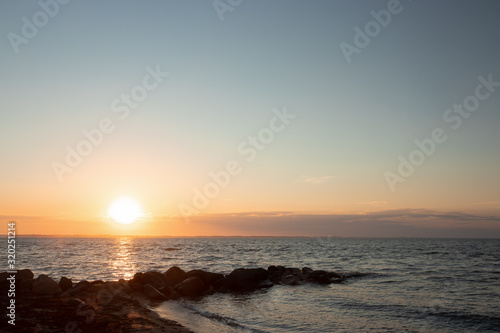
(218, 318)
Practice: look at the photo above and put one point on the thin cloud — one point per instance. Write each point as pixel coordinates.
(315, 179)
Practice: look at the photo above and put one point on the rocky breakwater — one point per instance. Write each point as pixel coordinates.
(44, 304)
(176, 283)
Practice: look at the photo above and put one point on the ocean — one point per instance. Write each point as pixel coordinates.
(413, 285)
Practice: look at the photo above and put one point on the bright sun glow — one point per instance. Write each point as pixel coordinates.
(125, 210)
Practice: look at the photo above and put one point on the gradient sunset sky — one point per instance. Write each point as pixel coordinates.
(334, 126)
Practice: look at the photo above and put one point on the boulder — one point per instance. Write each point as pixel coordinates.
(306, 270)
(290, 280)
(152, 293)
(80, 286)
(26, 286)
(156, 279)
(191, 287)
(136, 282)
(24, 274)
(245, 279)
(44, 285)
(209, 278)
(65, 283)
(174, 272)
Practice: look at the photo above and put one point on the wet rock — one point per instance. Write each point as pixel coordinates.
(24, 274)
(80, 287)
(152, 293)
(306, 270)
(117, 287)
(44, 285)
(245, 279)
(156, 279)
(191, 287)
(223, 290)
(323, 279)
(290, 280)
(333, 275)
(348, 275)
(209, 278)
(265, 284)
(65, 283)
(174, 275)
(136, 282)
(26, 286)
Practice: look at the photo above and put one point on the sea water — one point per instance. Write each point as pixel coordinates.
(414, 285)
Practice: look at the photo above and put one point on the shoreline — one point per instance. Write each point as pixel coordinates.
(44, 305)
(96, 306)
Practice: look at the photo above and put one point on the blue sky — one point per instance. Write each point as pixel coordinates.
(352, 121)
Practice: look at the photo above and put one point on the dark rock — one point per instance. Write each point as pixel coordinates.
(80, 287)
(333, 275)
(174, 275)
(324, 279)
(65, 283)
(276, 268)
(152, 293)
(191, 287)
(245, 279)
(26, 286)
(117, 287)
(348, 275)
(265, 284)
(172, 249)
(209, 278)
(290, 280)
(156, 279)
(136, 282)
(223, 290)
(306, 270)
(174, 272)
(24, 274)
(319, 276)
(45, 285)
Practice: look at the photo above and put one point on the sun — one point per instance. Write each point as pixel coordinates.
(125, 210)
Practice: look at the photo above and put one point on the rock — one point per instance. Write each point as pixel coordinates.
(265, 284)
(306, 270)
(136, 282)
(174, 272)
(324, 279)
(117, 287)
(174, 275)
(44, 285)
(222, 290)
(156, 279)
(191, 287)
(26, 286)
(80, 286)
(245, 279)
(65, 283)
(276, 268)
(333, 275)
(290, 280)
(209, 278)
(152, 293)
(172, 249)
(174, 295)
(348, 275)
(24, 274)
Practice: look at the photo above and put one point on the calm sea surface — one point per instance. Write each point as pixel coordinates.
(415, 285)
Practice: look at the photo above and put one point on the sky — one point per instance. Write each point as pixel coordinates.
(315, 118)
